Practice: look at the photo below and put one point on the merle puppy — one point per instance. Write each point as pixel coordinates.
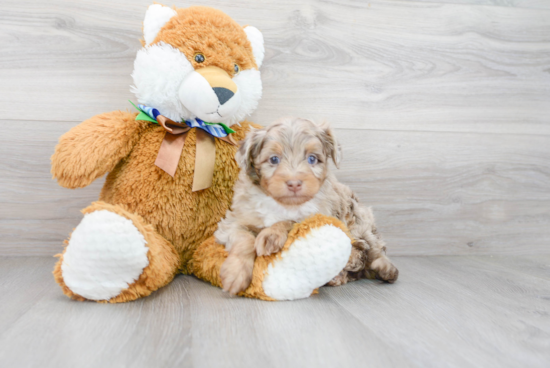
(284, 179)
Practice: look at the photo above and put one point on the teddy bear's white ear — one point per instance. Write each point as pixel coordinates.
(257, 41)
(155, 18)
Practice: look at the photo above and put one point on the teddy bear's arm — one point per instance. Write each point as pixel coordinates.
(94, 147)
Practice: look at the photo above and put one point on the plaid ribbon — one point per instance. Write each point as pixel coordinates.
(218, 130)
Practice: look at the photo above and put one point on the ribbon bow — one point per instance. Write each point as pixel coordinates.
(174, 140)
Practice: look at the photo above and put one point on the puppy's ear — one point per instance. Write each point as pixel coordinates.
(330, 144)
(249, 149)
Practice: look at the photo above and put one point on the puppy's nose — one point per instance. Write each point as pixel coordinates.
(294, 185)
(223, 94)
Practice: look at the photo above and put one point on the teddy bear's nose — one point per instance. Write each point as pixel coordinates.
(223, 94)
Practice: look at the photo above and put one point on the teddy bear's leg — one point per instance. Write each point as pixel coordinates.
(114, 256)
(316, 250)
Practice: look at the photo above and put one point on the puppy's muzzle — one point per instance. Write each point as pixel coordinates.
(220, 81)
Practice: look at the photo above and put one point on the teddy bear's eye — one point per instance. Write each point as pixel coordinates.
(199, 58)
(274, 160)
(236, 69)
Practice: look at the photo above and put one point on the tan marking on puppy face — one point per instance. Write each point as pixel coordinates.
(285, 164)
(288, 159)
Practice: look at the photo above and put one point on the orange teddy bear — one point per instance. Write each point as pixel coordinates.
(171, 166)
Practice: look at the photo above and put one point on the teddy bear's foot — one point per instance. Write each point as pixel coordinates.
(316, 250)
(313, 259)
(114, 256)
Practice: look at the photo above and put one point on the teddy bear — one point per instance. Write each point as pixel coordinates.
(171, 167)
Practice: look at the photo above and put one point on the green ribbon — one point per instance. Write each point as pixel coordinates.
(143, 115)
(227, 129)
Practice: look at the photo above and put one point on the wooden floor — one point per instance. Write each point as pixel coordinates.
(448, 311)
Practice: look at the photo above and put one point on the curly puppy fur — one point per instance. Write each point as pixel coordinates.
(285, 178)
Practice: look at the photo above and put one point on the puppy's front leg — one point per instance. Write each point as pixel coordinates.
(236, 271)
(272, 239)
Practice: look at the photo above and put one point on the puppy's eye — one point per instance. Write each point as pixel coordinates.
(311, 159)
(199, 57)
(274, 160)
(236, 69)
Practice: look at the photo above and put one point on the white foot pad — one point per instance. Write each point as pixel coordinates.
(106, 253)
(309, 263)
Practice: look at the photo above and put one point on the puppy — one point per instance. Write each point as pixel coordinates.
(284, 179)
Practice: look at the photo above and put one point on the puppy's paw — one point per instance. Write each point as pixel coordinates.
(340, 279)
(236, 274)
(357, 260)
(384, 270)
(270, 240)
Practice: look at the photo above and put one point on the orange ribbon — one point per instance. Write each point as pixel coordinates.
(172, 147)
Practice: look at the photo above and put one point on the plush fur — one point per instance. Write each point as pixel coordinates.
(155, 18)
(104, 238)
(165, 70)
(163, 259)
(173, 220)
(137, 187)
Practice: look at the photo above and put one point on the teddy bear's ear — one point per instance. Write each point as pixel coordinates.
(257, 41)
(155, 18)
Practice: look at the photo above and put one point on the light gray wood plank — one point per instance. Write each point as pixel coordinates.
(364, 65)
(508, 291)
(190, 323)
(535, 265)
(314, 332)
(534, 4)
(432, 193)
(58, 332)
(23, 282)
(443, 311)
(449, 311)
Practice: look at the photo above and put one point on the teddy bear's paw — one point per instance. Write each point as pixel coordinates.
(309, 263)
(106, 253)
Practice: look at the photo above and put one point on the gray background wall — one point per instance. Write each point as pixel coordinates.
(443, 109)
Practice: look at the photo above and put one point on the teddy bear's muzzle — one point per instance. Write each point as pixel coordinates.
(220, 81)
(210, 94)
